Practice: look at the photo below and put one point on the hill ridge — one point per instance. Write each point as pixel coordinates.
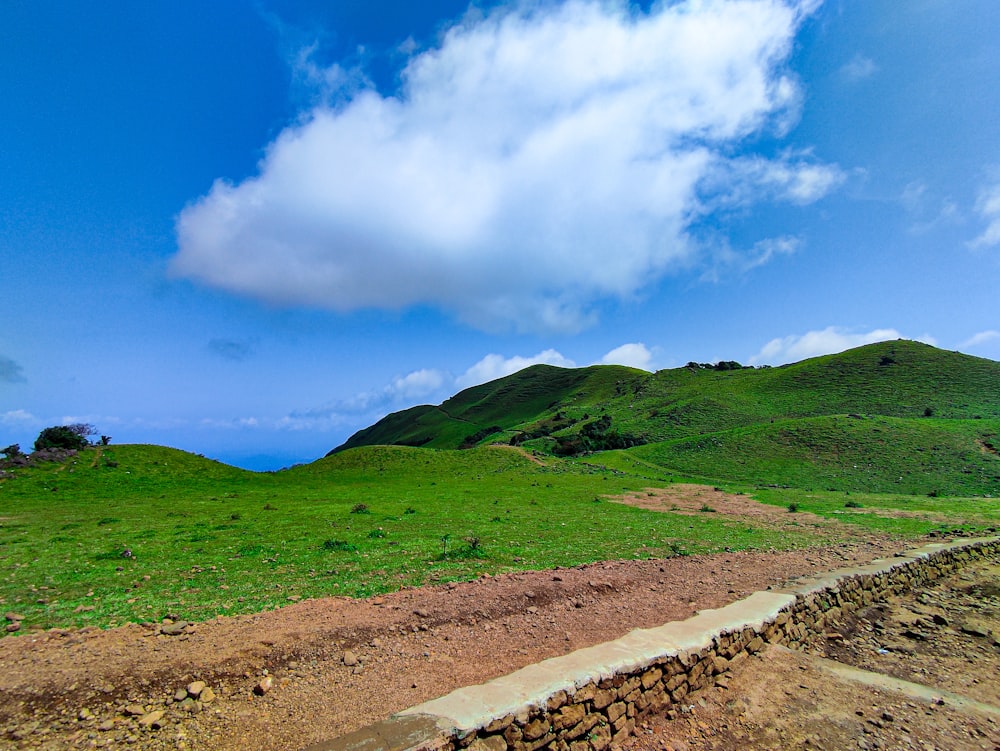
(939, 397)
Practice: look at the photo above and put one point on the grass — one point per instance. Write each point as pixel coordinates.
(895, 437)
(206, 539)
(901, 515)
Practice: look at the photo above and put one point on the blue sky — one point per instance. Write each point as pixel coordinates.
(250, 229)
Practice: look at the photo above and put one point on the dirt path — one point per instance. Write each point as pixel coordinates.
(93, 689)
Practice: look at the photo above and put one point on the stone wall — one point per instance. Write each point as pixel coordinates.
(591, 698)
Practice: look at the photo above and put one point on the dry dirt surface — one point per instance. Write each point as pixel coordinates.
(318, 669)
(933, 657)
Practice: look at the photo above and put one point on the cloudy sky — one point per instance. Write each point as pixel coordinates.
(248, 229)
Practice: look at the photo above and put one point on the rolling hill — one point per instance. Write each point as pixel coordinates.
(888, 417)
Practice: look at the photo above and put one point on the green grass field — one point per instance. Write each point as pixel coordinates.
(206, 538)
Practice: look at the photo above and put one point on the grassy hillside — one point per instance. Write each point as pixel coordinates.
(131, 533)
(497, 408)
(204, 538)
(874, 454)
(894, 416)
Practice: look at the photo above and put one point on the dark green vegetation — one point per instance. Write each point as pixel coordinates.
(62, 437)
(128, 533)
(898, 417)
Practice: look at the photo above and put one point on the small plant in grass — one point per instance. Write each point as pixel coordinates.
(269, 507)
(340, 546)
(852, 504)
(792, 508)
(410, 510)
(360, 508)
(235, 517)
(107, 520)
(444, 545)
(376, 533)
(706, 509)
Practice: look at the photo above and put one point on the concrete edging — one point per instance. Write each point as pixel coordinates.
(590, 698)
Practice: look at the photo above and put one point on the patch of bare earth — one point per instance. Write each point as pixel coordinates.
(931, 655)
(323, 668)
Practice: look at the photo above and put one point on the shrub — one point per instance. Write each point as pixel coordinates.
(12, 451)
(376, 533)
(792, 508)
(62, 437)
(341, 546)
(360, 508)
(852, 504)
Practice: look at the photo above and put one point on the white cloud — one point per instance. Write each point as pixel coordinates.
(859, 68)
(635, 355)
(494, 366)
(988, 208)
(725, 261)
(976, 340)
(543, 157)
(416, 385)
(796, 178)
(16, 416)
(829, 341)
(403, 391)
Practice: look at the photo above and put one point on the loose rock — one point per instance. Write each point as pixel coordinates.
(195, 688)
(152, 720)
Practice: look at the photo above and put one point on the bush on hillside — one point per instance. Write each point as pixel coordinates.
(11, 452)
(64, 437)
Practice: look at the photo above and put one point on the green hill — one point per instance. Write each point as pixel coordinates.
(809, 424)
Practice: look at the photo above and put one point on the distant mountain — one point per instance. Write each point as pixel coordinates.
(898, 399)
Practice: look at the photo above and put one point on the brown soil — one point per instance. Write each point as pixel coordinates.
(63, 689)
(686, 498)
(938, 637)
(412, 646)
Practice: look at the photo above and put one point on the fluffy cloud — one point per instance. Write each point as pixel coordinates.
(492, 367)
(988, 208)
(814, 343)
(10, 371)
(544, 156)
(634, 355)
(17, 416)
(977, 340)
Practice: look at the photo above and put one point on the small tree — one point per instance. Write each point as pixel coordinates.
(61, 437)
(83, 429)
(12, 452)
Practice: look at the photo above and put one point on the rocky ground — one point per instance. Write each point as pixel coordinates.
(317, 669)
(937, 651)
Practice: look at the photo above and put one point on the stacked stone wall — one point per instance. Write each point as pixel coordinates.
(591, 699)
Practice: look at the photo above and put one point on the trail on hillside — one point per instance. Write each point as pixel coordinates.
(325, 667)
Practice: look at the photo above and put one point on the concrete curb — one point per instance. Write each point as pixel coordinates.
(585, 700)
